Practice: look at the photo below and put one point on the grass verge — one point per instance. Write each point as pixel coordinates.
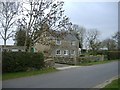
(114, 85)
(7, 76)
(97, 62)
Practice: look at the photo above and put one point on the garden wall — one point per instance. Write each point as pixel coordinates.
(65, 60)
(87, 59)
(78, 60)
(49, 62)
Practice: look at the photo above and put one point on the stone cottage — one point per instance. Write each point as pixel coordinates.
(67, 46)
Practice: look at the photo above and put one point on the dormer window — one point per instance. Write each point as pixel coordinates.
(73, 43)
(58, 42)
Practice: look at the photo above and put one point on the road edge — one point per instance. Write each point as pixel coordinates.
(102, 85)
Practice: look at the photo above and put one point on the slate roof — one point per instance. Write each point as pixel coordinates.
(67, 35)
(70, 37)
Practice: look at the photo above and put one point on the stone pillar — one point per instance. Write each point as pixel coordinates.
(75, 61)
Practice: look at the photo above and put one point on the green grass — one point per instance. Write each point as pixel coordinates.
(97, 62)
(7, 76)
(114, 85)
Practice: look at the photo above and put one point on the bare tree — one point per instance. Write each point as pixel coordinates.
(92, 39)
(8, 13)
(110, 44)
(79, 32)
(43, 16)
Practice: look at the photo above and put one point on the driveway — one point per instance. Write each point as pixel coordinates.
(57, 65)
(79, 77)
(64, 66)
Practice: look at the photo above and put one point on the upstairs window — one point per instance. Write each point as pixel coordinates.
(58, 42)
(73, 43)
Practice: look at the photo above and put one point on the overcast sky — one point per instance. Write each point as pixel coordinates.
(100, 15)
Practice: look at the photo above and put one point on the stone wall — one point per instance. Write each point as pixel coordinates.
(65, 60)
(78, 60)
(49, 62)
(87, 59)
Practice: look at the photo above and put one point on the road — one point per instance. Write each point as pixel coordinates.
(79, 77)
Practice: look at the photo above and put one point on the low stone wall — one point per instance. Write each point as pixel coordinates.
(65, 60)
(78, 60)
(49, 62)
(86, 59)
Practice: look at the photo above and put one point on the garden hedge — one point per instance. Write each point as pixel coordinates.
(21, 61)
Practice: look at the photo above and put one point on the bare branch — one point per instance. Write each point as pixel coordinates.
(9, 11)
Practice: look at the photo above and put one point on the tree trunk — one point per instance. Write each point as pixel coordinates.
(29, 47)
(5, 42)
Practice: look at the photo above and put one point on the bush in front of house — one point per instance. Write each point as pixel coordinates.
(21, 61)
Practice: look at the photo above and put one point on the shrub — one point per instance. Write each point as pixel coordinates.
(82, 55)
(21, 61)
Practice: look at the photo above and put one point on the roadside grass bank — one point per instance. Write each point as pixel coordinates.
(97, 62)
(114, 85)
(7, 76)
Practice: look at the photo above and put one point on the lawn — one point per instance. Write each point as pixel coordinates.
(97, 62)
(7, 76)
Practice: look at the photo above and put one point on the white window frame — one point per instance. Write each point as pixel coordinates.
(66, 52)
(57, 53)
(58, 42)
(73, 53)
(73, 43)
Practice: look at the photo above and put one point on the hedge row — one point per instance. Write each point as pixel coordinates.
(21, 61)
(112, 55)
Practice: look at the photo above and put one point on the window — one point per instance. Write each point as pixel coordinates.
(73, 52)
(73, 43)
(65, 52)
(58, 42)
(58, 52)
